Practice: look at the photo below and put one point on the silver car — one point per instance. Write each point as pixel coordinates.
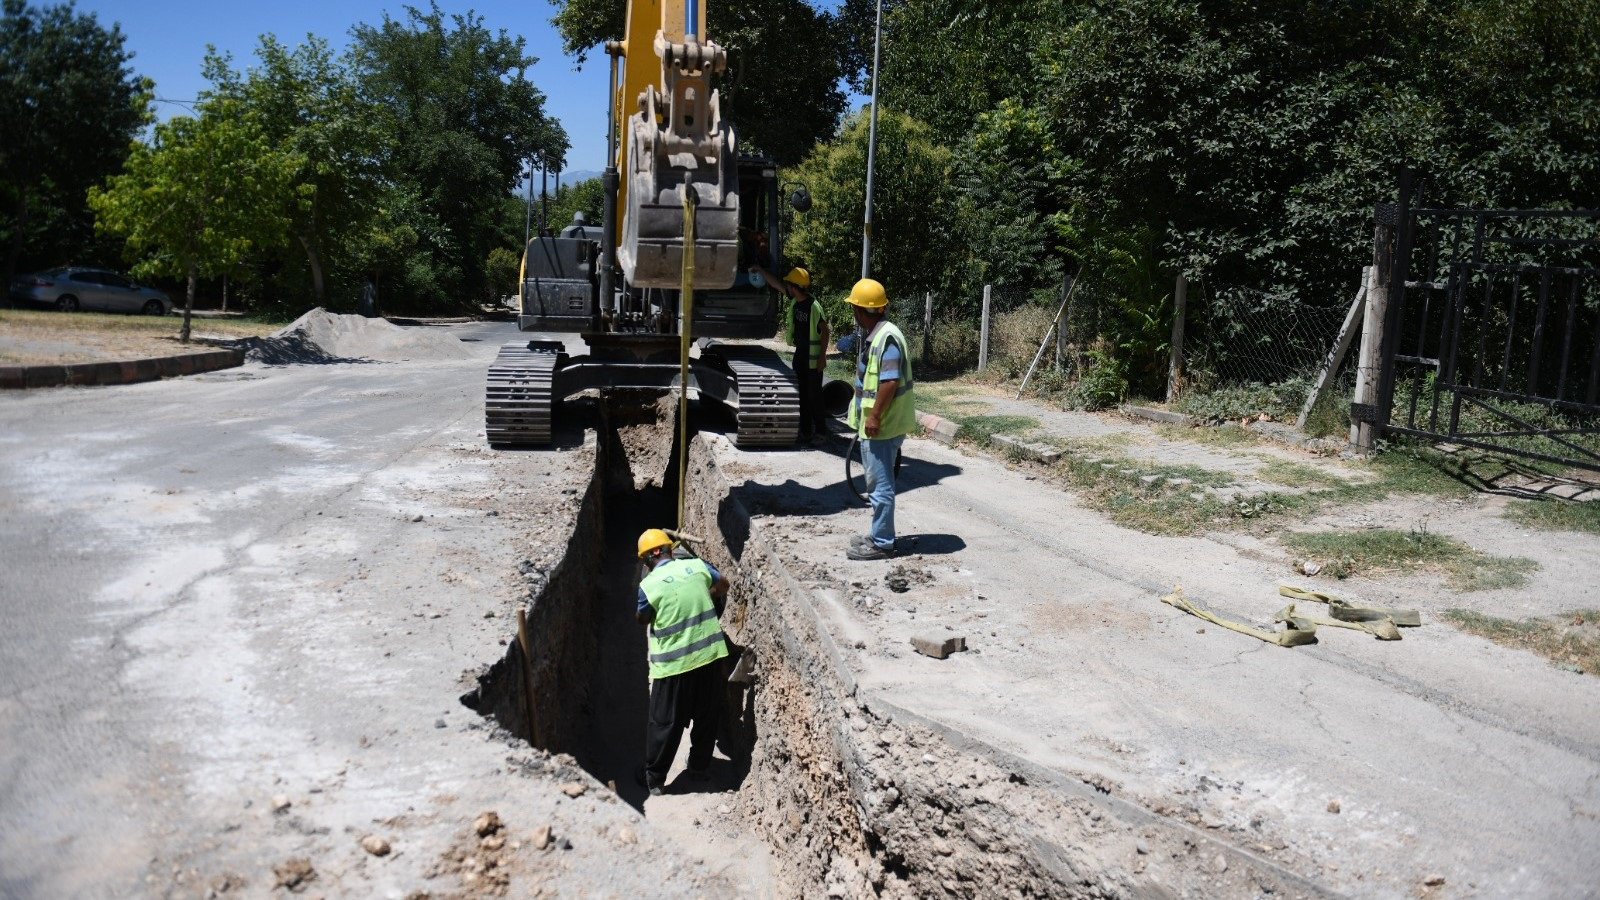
(72, 288)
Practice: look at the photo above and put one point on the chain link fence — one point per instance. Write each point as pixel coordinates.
(1247, 351)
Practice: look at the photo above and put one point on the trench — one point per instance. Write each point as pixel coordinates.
(854, 796)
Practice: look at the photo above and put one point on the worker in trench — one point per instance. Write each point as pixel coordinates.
(882, 412)
(681, 601)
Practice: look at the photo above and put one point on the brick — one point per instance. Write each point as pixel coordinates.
(939, 649)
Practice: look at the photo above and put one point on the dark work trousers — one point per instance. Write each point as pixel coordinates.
(809, 381)
(698, 696)
(819, 416)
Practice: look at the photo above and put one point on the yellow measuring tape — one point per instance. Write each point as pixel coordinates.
(686, 311)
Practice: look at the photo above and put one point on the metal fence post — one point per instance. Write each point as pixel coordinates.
(1180, 300)
(983, 333)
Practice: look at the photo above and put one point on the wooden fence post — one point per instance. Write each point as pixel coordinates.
(983, 333)
(927, 324)
(1370, 361)
(1180, 301)
(1341, 346)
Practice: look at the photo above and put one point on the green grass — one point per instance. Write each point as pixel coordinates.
(1569, 639)
(1556, 515)
(981, 429)
(1298, 475)
(1382, 551)
(1208, 435)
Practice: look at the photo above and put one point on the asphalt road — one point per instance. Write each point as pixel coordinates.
(266, 583)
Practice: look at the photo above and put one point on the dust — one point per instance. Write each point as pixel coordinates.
(320, 336)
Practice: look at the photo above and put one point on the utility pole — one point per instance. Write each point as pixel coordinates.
(872, 146)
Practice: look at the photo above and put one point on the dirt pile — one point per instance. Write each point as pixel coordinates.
(320, 336)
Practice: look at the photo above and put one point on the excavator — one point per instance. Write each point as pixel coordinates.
(686, 220)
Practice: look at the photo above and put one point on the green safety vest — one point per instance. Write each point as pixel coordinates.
(902, 416)
(685, 634)
(814, 322)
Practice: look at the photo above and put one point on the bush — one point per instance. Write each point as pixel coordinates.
(1279, 401)
(1102, 383)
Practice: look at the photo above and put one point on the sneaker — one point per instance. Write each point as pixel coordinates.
(869, 551)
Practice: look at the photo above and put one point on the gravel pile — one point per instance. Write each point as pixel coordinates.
(320, 336)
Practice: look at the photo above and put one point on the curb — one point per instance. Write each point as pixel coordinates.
(126, 372)
(940, 429)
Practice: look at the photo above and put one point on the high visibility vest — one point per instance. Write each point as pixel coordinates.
(814, 326)
(685, 634)
(902, 415)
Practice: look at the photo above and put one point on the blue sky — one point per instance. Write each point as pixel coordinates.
(169, 38)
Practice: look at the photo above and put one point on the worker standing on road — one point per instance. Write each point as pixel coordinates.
(882, 413)
(681, 600)
(809, 333)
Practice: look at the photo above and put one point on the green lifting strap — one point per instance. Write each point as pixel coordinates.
(1297, 630)
(1345, 611)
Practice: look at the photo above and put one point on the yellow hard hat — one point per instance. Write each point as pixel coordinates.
(652, 539)
(798, 276)
(868, 294)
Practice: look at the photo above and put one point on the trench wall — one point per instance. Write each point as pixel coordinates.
(859, 797)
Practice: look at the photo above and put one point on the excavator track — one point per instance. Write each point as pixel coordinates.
(769, 397)
(519, 396)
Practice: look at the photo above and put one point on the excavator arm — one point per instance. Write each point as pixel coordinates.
(675, 141)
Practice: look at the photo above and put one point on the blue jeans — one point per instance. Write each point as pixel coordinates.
(877, 461)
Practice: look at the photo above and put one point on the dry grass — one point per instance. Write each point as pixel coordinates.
(35, 337)
(1571, 640)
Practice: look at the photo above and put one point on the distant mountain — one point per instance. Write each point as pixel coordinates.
(576, 176)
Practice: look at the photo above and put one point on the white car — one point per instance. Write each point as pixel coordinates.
(72, 288)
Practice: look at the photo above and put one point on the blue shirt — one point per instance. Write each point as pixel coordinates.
(644, 602)
(888, 370)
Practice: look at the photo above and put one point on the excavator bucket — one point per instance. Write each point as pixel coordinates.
(678, 142)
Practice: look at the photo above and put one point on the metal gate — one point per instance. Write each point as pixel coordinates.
(1492, 335)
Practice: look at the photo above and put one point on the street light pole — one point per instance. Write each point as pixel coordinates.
(872, 146)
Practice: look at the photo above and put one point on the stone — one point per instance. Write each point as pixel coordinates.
(375, 845)
(280, 803)
(1433, 880)
(1219, 864)
(486, 824)
(1141, 847)
(541, 837)
(1333, 807)
(294, 873)
(939, 649)
(493, 842)
(626, 835)
(575, 789)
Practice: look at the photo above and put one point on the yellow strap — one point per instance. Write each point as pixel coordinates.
(1297, 630)
(1382, 629)
(686, 308)
(1345, 611)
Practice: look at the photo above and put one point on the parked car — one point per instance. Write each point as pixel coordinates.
(72, 288)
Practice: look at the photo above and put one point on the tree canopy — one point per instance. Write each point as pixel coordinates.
(71, 105)
(786, 59)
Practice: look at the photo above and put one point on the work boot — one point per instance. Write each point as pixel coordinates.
(869, 551)
(861, 540)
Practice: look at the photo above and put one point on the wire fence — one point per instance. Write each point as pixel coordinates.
(1257, 349)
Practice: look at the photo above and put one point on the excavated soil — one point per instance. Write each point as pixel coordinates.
(323, 337)
(854, 795)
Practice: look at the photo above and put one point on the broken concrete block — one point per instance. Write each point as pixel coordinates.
(939, 649)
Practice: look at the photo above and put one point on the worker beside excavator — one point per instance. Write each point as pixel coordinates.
(808, 332)
(882, 412)
(681, 600)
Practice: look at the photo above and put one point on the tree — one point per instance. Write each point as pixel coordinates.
(914, 245)
(306, 102)
(786, 59)
(70, 107)
(199, 196)
(460, 118)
